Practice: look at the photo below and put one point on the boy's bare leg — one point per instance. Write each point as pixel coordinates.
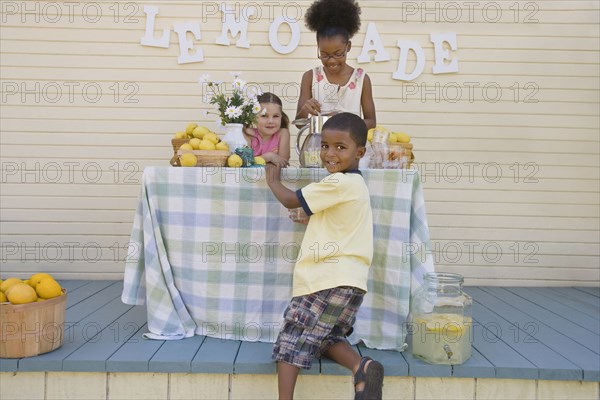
(287, 374)
(345, 355)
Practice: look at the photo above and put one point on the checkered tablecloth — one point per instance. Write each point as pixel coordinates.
(215, 253)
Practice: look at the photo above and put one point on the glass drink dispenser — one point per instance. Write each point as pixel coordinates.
(440, 320)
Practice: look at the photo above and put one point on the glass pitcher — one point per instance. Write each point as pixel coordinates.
(440, 320)
(309, 153)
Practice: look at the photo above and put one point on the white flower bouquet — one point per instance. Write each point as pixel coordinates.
(235, 107)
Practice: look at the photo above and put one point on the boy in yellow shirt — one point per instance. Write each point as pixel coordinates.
(330, 276)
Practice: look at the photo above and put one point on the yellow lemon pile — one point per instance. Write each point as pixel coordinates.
(38, 287)
(195, 131)
(200, 138)
(394, 137)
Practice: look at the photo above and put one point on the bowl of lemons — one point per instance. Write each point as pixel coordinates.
(32, 312)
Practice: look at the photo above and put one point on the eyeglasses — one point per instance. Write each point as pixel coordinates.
(336, 56)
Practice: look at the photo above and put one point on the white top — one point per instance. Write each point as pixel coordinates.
(337, 248)
(335, 97)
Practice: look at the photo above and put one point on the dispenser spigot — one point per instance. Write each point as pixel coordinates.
(448, 351)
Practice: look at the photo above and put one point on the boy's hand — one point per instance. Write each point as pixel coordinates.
(285, 196)
(298, 215)
(273, 173)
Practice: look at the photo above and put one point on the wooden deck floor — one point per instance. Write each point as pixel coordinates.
(525, 333)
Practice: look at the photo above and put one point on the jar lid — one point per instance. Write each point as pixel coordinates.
(443, 277)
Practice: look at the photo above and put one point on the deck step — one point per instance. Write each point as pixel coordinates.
(522, 333)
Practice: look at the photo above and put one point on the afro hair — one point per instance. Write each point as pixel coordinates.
(333, 17)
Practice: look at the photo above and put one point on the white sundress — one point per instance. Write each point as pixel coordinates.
(334, 97)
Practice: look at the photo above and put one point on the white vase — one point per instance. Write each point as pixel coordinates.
(234, 136)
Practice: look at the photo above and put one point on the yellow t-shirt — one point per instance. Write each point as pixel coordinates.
(337, 248)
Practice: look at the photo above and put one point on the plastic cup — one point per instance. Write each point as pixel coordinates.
(298, 215)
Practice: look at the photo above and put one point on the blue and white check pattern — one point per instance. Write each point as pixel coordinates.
(217, 251)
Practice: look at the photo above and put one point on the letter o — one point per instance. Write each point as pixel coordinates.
(274, 40)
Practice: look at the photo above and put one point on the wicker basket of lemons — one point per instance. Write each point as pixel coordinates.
(198, 146)
(32, 314)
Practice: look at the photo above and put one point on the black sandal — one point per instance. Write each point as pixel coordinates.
(372, 377)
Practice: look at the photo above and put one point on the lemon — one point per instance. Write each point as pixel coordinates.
(211, 137)
(206, 144)
(455, 328)
(445, 326)
(36, 278)
(200, 131)
(186, 146)
(190, 128)
(22, 293)
(370, 134)
(402, 137)
(188, 160)
(48, 288)
(259, 160)
(180, 135)
(444, 323)
(7, 291)
(222, 146)
(195, 143)
(234, 161)
(3, 298)
(8, 283)
(392, 138)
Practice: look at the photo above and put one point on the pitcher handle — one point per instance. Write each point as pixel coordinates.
(300, 132)
(301, 121)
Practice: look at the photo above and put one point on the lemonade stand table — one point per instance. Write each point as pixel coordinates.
(212, 253)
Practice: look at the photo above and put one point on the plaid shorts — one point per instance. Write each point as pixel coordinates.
(315, 322)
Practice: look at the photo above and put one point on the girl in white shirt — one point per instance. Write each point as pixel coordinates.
(335, 86)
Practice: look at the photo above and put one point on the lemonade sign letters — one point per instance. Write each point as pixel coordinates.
(443, 43)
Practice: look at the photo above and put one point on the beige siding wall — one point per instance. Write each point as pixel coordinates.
(508, 146)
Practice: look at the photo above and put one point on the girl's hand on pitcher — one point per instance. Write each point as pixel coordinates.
(312, 107)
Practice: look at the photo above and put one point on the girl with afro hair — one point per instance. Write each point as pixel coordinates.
(335, 86)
